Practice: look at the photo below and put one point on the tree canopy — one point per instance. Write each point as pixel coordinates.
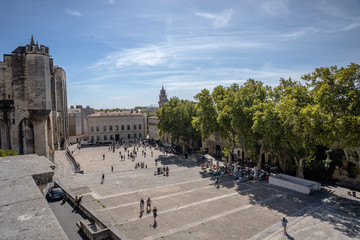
(175, 118)
(295, 117)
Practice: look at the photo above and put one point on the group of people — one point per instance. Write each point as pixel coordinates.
(148, 208)
(142, 165)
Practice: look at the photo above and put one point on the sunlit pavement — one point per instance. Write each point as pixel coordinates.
(190, 207)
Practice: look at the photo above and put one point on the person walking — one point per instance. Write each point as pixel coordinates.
(141, 206)
(216, 184)
(155, 214)
(102, 178)
(148, 205)
(63, 199)
(284, 222)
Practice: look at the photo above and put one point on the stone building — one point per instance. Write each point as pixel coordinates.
(118, 126)
(78, 123)
(162, 97)
(33, 102)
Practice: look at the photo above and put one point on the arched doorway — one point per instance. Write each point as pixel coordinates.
(26, 137)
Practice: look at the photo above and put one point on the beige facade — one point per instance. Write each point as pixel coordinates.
(78, 123)
(33, 102)
(126, 125)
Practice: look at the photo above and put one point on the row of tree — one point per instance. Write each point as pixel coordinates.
(291, 119)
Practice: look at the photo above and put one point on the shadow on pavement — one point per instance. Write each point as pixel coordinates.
(178, 161)
(341, 213)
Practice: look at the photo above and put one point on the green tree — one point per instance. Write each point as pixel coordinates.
(251, 103)
(175, 118)
(205, 119)
(297, 139)
(266, 124)
(336, 112)
(214, 115)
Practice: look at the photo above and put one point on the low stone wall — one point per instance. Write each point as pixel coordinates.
(294, 183)
(87, 227)
(106, 229)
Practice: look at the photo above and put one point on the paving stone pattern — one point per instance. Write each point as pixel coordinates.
(190, 207)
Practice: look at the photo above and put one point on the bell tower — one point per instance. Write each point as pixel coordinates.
(162, 97)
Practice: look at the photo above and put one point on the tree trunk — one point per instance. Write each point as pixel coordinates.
(299, 167)
(357, 150)
(345, 164)
(230, 155)
(260, 158)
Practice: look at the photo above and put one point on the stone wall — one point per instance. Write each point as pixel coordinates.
(33, 109)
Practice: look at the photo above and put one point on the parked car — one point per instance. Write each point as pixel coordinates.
(55, 193)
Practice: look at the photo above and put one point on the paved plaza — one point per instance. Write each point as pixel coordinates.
(191, 207)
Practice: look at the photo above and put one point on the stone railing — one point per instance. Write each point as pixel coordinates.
(71, 158)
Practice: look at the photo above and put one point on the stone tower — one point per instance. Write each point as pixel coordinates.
(162, 97)
(33, 102)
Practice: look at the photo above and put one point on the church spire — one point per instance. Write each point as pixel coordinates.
(32, 40)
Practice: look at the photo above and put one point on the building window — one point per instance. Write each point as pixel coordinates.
(111, 137)
(98, 138)
(122, 127)
(92, 138)
(110, 128)
(97, 128)
(135, 135)
(128, 127)
(91, 129)
(139, 126)
(134, 126)
(104, 128)
(105, 137)
(116, 127)
(129, 136)
(140, 135)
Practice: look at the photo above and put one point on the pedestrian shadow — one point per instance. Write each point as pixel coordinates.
(289, 237)
(154, 225)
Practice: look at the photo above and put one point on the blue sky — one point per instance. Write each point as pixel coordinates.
(118, 53)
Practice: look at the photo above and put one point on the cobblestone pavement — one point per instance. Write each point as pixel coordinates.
(190, 207)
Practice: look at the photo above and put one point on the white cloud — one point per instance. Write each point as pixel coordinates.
(111, 1)
(147, 56)
(74, 13)
(172, 55)
(275, 7)
(219, 20)
(351, 27)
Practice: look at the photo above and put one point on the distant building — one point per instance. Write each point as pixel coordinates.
(124, 125)
(33, 102)
(78, 123)
(162, 97)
